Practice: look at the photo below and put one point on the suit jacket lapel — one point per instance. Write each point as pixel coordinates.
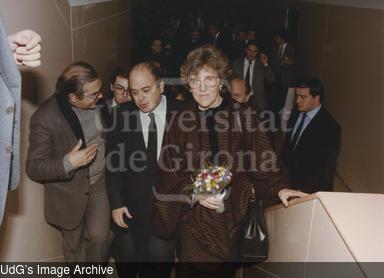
(71, 118)
(307, 131)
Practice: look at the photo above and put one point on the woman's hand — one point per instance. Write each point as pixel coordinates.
(208, 201)
(285, 194)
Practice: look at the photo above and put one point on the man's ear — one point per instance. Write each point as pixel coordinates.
(161, 86)
(73, 97)
(111, 86)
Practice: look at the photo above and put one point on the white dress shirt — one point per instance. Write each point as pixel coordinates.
(160, 118)
(246, 64)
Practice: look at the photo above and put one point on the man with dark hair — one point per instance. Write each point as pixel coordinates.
(66, 154)
(134, 147)
(254, 69)
(119, 86)
(312, 143)
(219, 37)
(282, 62)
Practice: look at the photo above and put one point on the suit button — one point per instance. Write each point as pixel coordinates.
(87, 176)
(86, 193)
(9, 149)
(10, 109)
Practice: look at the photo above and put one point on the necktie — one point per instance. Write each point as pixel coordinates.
(152, 140)
(296, 135)
(281, 52)
(248, 74)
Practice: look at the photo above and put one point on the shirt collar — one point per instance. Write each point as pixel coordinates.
(311, 114)
(114, 103)
(246, 61)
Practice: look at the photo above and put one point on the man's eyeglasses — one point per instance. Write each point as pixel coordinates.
(94, 96)
(119, 90)
(209, 81)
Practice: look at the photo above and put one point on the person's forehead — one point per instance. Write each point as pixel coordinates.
(252, 47)
(92, 85)
(141, 76)
(121, 80)
(203, 72)
(302, 90)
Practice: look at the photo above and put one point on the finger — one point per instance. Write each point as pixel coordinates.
(121, 220)
(301, 194)
(32, 64)
(90, 148)
(127, 213)
(284, 201)
(209, 205)
(22, 50)
(78, 145)
(35, 39)
(29, 57)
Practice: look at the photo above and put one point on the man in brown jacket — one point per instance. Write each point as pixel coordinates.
(66, 154)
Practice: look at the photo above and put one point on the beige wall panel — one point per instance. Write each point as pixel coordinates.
(365, 16)
(353, 67)
(311, 8)
(311, 43)
(290, 229)
(64, 10)
(86, 14)
(104, 44)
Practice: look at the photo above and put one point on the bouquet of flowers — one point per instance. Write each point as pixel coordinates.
(212, 180)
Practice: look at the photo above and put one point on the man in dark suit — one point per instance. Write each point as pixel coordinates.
(219, 37)
(254, 69)
(134, 146)
(282, 62)
(312, 143)
(66, 154)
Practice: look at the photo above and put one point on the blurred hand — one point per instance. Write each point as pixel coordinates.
(285, 194)
(25, 47)
(208, 201)
(263, 59)
(118, 216)
(83, 157)
(287, 61)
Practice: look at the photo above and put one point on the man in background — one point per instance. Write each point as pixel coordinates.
(254, 69)
(119, 87)
(239, 90)
(22, 48)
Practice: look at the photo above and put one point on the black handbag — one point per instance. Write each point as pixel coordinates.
(254, 244)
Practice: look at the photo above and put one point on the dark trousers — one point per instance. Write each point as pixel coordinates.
(156, 261)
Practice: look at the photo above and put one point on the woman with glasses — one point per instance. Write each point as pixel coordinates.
(213, 130)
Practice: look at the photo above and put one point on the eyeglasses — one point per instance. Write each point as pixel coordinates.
(119, 90)
(95, 96)
(209, 81)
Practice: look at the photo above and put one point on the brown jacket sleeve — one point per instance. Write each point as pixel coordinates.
(43, 163)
